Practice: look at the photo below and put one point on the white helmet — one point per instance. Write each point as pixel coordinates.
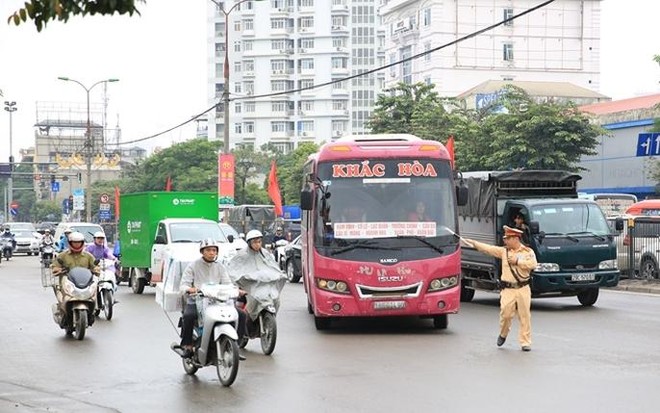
(208, 242)
(252, 234)
(99, 234)
(67, 230)
(76, 237)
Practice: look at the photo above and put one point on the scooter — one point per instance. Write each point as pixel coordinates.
(215, 336)
(263, 291)
(47, 253)
(7, 245)
(105, 297)
(76, 311)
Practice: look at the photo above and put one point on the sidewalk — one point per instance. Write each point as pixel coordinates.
(638, 286)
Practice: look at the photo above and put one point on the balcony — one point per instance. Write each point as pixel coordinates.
(339, 8)
(248, 73)
(280, 72)
(339, 29)
(281, 11)
(306, 30)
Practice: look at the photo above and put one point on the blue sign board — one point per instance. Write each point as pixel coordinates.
(13, 211)
(55, 187)
(648, 144)
(104, 215)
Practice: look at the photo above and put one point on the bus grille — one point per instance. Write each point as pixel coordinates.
(380, 292)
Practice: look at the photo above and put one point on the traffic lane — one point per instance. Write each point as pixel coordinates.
(362, 366)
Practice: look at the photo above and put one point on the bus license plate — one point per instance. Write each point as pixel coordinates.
(583, 277)
(389, 305)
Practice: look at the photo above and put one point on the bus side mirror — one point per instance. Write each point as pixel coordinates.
(618, 224)
(534, 227)
(230, 238)
(306, 199)
(461, 195)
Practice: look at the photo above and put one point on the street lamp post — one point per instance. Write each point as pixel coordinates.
(11, 108)
(89, 145)
(225, 93)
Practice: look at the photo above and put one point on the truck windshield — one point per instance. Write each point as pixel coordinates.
(571, 218)
(393, 208)
(195, 232)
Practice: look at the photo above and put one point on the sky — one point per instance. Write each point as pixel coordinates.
(160, 59)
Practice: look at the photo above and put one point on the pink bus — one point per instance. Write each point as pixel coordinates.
(378, 230)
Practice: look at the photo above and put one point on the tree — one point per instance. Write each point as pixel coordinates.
(290, 172)
(249, 164)
(46, 211)
(396, 110)
(43, 11)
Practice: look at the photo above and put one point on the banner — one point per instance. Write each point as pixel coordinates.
(226, 167)
(274, 190)
(450, 148)
(116, 203)
(168, 184)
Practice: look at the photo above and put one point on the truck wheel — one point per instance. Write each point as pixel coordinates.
(648, 269)
(137, 284)
(588, 297)
(467, 294)
(440, 322)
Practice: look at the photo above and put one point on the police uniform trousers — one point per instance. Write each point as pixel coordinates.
(516, 301)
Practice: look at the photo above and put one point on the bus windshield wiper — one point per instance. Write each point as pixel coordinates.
(561, 234)
(422, 240)
(600, 237)
(368, 245)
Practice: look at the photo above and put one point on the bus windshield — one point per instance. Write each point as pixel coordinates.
(573, 219)
(392, 209)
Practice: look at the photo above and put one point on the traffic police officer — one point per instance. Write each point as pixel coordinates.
(518, 261)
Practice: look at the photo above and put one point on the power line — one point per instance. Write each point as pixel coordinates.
(368, 72)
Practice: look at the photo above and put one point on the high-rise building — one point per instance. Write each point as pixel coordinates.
(557, 43)
(280, 45)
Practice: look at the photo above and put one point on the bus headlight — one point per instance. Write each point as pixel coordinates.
(438, 284)
(547, 267)
(607, 265)
(333, 286)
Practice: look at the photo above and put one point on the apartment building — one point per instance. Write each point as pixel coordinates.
(280, 45)
(557, 43)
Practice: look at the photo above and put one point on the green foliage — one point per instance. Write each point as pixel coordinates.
(527, 135)
(254, 194)
(46, 211)
(249, 164)
(290, 172)
(43, 11)
(23, 181)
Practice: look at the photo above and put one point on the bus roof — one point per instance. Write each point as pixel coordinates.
(398, 145)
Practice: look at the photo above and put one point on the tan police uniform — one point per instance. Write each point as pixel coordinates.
(516, 295)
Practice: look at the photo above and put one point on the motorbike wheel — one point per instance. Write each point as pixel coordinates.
(108, 303)
(227, 360)
(189, 366)
(269, 333)
(80, 323)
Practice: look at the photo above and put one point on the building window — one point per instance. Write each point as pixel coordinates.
(507, 52)
(247, 45)
(238, 107)
(306, 3)
(507, 14)
(280, 106)
(306, 105)
(249, 107)
(307, 22)
(237, 26)
(249, 87)
(238, 87)
(284, 147)
(248, 65)
(306, 83)
(339, 105)
(248, 24)
(427, 81)
(237, 46)
(306, 64)
(238, 66)
(339, 63)
(427, 47)
(339, 42)
(426, 17)
(238, 128)
(278, 126)
(306, 43)
(406, 67)
(306, 126)
(249, 127)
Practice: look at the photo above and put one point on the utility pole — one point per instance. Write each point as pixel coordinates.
(11, 108)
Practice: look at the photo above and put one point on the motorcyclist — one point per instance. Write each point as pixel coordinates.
(205, 269)
(279, 235)
(63, 242)
(99, 249)
(47, 238)
(74, 256)
(6, 233)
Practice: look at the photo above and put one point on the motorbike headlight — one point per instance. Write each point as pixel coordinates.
(608, 265)
(547, 267)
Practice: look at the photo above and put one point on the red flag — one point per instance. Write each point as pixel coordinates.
(168, 184)
(450, 149)
(274, 190)
(116, 203)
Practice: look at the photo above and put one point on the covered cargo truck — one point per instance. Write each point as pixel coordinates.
(154, 226)
(572, 241)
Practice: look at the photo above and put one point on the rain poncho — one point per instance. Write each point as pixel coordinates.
(257, 273)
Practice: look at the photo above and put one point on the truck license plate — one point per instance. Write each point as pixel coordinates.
(583, 277)
(389, 305)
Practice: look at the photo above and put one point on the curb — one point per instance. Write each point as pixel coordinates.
(638, 286)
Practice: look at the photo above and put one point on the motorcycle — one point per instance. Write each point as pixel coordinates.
(215, 335)
(107, 286)
(76, 311)
(7, 247)
(263, 290)
(47, 253)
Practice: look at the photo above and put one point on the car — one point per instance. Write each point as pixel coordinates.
(641, 234)
(45, 225)
(228, 230)
(15, 226)
(27, 242)
(86, 228)
(292, 260)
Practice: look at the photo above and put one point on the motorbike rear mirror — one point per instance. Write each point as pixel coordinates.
(230, 238)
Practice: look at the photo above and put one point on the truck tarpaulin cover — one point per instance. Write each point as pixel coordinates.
(259, 275)
(483, 186)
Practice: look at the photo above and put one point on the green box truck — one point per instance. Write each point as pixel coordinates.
(155, 225)
(570, 236)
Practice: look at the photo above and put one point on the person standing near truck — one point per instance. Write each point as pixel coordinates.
(518, 261)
